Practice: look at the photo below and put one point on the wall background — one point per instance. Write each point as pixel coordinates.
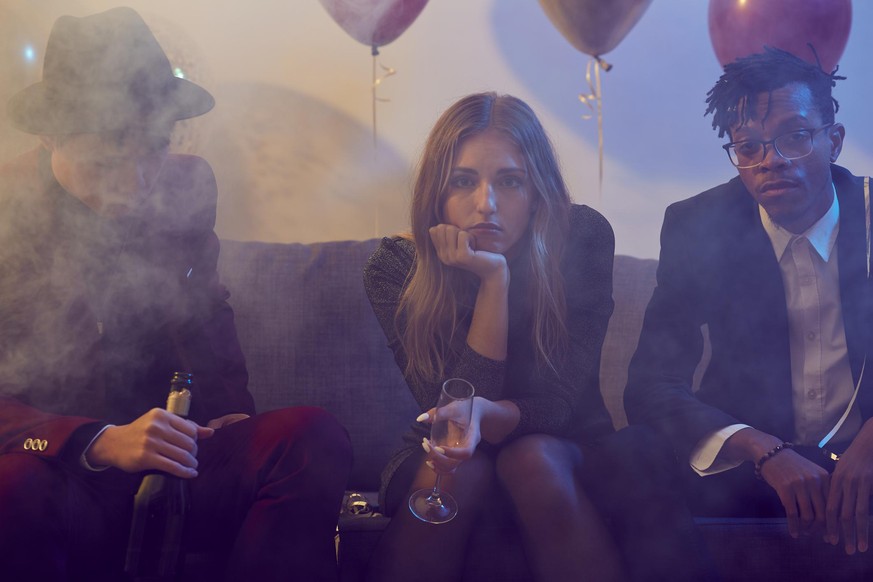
(291, 136)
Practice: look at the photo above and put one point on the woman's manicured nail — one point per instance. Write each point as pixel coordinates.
(425, 445)
(440, 450)
(422, 417)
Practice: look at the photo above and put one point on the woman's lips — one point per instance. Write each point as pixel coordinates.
(485, 228)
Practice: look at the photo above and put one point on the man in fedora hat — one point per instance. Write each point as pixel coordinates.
(108, 285)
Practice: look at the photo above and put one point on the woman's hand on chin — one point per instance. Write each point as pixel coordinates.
(457, 248)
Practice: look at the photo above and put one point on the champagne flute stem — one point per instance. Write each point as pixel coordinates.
(436, 485)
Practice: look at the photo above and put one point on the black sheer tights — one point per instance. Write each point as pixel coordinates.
(410, 549)
(522, 516)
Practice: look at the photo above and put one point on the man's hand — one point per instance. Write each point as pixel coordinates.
(848, 504)
(802, 487)
(227, 419)
(157, 440)
(457, 248)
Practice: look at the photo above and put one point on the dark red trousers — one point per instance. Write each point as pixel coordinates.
(265, 504)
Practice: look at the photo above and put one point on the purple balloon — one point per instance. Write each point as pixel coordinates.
(739, 28)
(374, 22)
(594, 27)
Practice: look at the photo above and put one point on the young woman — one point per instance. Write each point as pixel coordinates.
(505, 283)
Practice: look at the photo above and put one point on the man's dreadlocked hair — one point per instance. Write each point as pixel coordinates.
(765, 72)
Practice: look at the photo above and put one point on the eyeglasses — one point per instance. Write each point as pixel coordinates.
(791, 146)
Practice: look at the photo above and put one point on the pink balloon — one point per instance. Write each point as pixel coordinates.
(739, 28)
(374, 22)
(594, 27)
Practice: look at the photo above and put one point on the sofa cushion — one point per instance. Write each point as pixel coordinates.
(310, 337)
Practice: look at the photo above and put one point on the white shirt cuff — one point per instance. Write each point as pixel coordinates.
(84, 461)
(704, 457)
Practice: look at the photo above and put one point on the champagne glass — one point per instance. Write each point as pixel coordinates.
(449, 429)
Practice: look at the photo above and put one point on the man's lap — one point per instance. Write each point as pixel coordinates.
(52, 513)
(738, 493)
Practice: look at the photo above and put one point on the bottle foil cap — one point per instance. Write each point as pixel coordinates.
(179, 402)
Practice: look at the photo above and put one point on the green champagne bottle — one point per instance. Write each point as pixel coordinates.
(154, 551)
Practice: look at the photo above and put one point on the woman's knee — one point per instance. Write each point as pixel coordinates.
(540, 464)
(472, 482)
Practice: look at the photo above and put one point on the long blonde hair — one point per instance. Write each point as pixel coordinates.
(437, 297)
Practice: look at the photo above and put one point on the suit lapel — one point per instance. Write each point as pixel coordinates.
(758, 316)
(752, 274)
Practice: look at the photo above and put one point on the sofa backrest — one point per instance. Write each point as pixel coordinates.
(633, 281)
(310, 337)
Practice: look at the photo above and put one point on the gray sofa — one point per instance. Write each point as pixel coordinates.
(310, 337)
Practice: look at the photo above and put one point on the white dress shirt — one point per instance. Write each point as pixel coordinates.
(821, 377)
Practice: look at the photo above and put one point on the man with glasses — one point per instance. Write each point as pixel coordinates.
(774, 266)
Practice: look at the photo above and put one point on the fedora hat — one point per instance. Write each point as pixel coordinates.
(102, 73)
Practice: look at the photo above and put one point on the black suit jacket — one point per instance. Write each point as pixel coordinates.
(162, 308)
(717, 268)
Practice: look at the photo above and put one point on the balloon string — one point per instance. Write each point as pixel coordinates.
(594, 101)
(376, 82)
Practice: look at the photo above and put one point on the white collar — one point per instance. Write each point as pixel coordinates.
(822, 235)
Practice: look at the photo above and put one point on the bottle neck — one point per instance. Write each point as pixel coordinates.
(179, 402)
